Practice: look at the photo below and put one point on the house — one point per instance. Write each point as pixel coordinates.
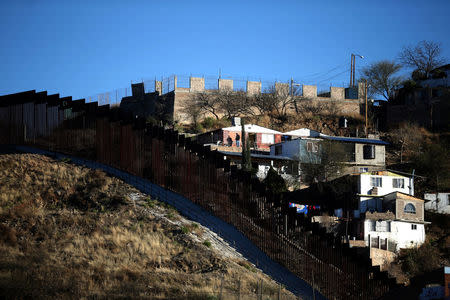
(286, 167)
(362, 154)
(426, 103)
(441, 205)
(260, 138)
(398, 223)
(440, 77)
(371, 185)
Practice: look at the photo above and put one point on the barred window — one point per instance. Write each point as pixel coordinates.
(410, 208)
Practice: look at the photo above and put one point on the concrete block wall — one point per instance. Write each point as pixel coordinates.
(158, 87)
(225, 84)
(337, 93)
(196, 84)
(253, 87)
(310, 91)
(400, 210)
(282, 88)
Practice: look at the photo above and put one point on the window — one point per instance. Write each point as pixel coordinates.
(369, 151)
(383, 226)
(376, 181)
(312, 147)
(410, 208)
(413, 226)
(267, 138)
(363, 170)
(448, 199)
(398, 183)
(278, 149)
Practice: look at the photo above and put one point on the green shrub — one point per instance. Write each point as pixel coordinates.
(207, 243)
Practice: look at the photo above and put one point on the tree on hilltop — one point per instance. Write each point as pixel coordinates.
(381, 78)
(424, 57)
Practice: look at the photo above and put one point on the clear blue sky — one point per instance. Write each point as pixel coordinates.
(82, 48)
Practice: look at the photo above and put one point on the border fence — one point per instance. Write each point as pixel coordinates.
(176, 163)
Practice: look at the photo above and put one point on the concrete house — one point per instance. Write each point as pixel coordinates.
(373, 184)
(439, 204)
(260, 138)
(362, 154)
(398, 224)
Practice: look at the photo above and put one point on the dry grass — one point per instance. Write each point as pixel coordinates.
(66, 231)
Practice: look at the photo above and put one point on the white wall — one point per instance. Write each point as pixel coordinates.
(443, 205)
(400, 232)
(387, 187)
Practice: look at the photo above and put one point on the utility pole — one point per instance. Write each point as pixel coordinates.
(352, 69)
(365, 96)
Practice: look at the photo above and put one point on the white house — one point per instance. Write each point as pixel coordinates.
(442, 205)
(398, 224)
(373, 184)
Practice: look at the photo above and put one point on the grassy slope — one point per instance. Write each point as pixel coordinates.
(70, 231)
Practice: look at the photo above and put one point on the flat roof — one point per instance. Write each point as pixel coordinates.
(252, 128)
(354, 140)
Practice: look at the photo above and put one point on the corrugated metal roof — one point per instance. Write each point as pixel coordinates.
(354, 140)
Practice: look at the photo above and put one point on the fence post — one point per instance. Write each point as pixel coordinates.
(239, 289)
(279, 292)
(221, 288)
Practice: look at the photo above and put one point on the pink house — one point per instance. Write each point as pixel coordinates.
(259, 137)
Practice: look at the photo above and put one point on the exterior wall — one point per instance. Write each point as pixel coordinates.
(310, 91)
(337, 93)
(289, 149)
(382, 258)
(441, 206)
(379, 159)
(253, 87)
(282, 88)
(259, 143)
(400, 210)
(225, 84)
(400, 233)
(197, 84)
(386, 188)
(365, 188)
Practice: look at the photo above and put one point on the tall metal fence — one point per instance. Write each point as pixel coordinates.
(179, 164)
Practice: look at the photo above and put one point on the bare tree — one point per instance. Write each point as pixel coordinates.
(324, 162)
(424, 57)
(381, 78)
(207, 102)
(193, 109)
(407, 138)
(233, 103)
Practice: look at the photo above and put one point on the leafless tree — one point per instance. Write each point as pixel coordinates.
(381, 78)
(193, 108)
(323, 163)
(206, 102)
(233, 103)
(407, 138)
(424, 57)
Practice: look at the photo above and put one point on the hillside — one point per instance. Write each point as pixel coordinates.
(67, 231)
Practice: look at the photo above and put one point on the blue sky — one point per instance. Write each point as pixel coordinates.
(82, 48)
